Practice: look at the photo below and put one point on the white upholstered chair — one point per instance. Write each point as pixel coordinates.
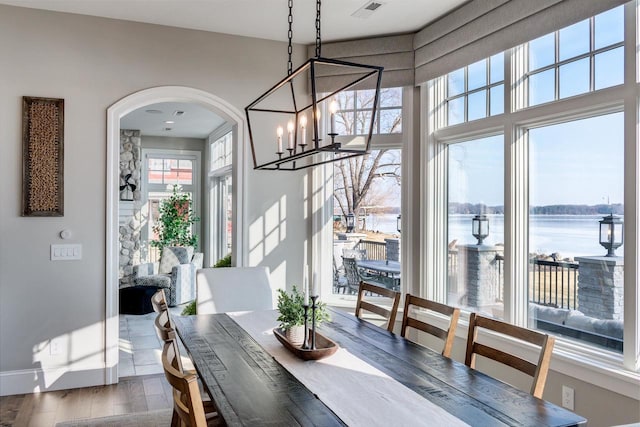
(221, 290)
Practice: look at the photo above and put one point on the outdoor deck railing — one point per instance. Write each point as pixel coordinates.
(552, 283)
(555, 283)
(375, 250)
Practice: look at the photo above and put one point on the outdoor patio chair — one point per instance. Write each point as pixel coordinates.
(339, 281)
(448, 335)
(352, 274)
(537, 370)
(176, 272)
(358, 254)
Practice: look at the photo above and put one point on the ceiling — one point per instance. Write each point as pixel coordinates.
(266, 19)
(196, 122)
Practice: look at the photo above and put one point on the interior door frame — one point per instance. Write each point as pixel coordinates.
(240, 237)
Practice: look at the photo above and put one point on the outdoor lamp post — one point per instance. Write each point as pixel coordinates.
(480, 227)
(351, 220)
(611, 233)
(399, 223)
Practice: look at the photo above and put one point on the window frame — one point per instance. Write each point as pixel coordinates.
(581, 360)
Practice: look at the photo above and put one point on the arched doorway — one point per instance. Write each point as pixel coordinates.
(114, 114)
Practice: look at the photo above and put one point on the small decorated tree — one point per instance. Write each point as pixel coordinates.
(175, 223)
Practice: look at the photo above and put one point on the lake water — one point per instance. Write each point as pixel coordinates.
(568, 235)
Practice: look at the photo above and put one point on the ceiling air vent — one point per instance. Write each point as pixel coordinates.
(367, 10)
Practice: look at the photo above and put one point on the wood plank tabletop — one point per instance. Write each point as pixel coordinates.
(251, 388)
(470, 395)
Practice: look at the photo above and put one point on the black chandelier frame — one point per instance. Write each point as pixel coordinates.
(292, 159)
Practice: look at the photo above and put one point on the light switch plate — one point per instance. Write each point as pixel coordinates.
(66, 252)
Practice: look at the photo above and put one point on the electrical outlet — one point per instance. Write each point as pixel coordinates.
(567, 397)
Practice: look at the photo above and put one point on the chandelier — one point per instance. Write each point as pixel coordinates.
(286, 126)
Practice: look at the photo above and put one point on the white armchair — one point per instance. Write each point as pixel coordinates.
(222, 290)
(176, 273)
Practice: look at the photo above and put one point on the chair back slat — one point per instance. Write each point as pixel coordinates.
(390, 315)
(159, 301)
(447, 335)
(426, 327)
(166, 333)
(538, 371)
(505, 358)
(376, 309)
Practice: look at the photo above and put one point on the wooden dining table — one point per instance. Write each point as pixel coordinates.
(251, 387)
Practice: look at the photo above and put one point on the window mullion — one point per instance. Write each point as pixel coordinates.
(631, 360)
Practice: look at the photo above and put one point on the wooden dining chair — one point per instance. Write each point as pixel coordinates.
(537, 371)
(167, 334)
(448, 335)
(159, 301)
(191, 410)
(390, 315)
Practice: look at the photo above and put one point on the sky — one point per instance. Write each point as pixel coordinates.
(579, 162)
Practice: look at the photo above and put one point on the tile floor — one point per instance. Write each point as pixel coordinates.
(140, 348)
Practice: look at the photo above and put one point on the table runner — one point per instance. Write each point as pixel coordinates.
(355, 391)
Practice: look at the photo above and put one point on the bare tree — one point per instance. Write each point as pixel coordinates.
(355, 178)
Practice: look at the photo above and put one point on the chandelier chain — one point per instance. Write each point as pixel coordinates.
(318, 39)
(290, 36)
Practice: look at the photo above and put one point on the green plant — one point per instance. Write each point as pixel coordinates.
(190, 309)
(292, 312)
(175, 223)
(223, 262)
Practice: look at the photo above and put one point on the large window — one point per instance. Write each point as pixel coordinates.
(162, 170)
(475, 91)
(355, 109)
(220, 195)
(575, 181)
(545, 174)
(583, 57)
(476, 191)
(366, 202)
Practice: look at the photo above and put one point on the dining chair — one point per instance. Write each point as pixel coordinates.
(159, 301)
(448, 335)
(537, 370)
(390, 315)
(222, 290)
(167, 334)
(187, 400)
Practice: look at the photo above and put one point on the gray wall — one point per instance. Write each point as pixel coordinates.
(92, 63)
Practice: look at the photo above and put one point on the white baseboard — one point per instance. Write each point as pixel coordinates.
(38, 380)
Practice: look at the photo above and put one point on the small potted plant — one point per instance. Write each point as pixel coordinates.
(291, 318)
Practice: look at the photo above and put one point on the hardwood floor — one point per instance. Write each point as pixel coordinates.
(130, 395)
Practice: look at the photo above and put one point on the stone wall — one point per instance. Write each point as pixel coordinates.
(601, 287)
(131, 219)
(481, 274)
